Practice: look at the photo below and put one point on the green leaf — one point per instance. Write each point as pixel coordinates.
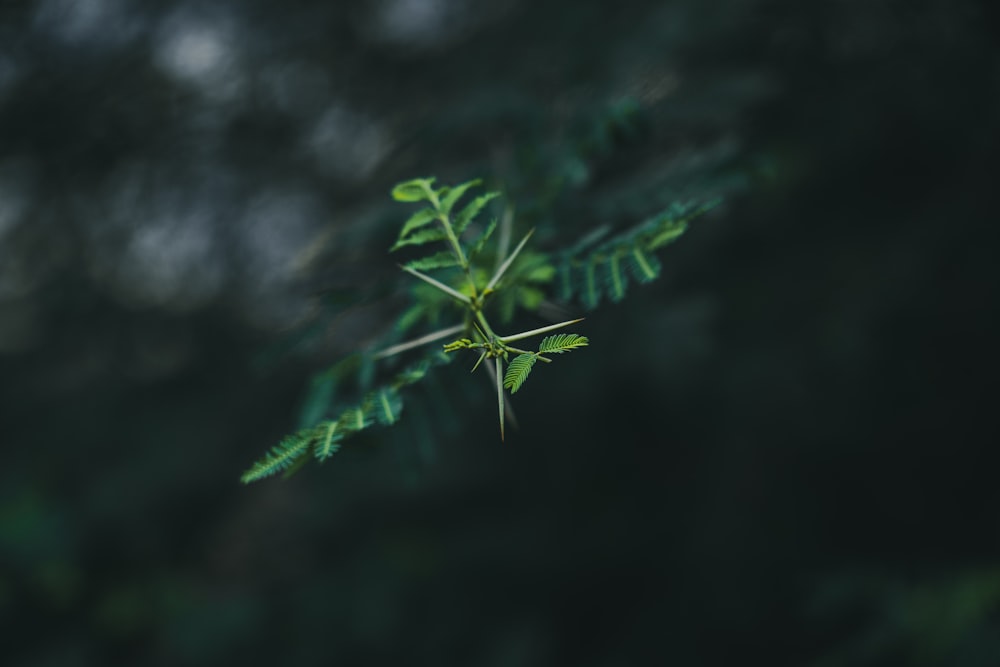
(483, 238)
(413, 373)
(455, 193)
(530, 298)
(644, 268)
(388, 406)
(366, 370)
(410, 317)
(421, 237)
(542, 273)
(467, 214)
(560, 343)
(517, 371)
(330, 436)
(617, 280)
(591, 291)
(505, 302)
(418, 189)
(417, 220)
(296, 466)
(440, 260)
(565, 280)
(281, 457)
(355, 419)
(670, 232)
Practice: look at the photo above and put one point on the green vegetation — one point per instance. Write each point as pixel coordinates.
(478, 285)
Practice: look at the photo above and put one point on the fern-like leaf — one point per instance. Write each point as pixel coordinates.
(566, 280)
(472, 209)
(388, 406)
(483, 238)
(417, 189)
(644, 267)
(413, 374)
(560, 343)
(449, 196)
(518, 370)
(617, 280)
(595, 271)
(591, 295)
(669, 232)
(281, 456)
(329, 442)
(419, 219)
(440, 260)
(356, 418)
(420, 237)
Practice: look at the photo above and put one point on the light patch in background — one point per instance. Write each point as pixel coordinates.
(181, 241)
(415, 21)
(15, 194)
(155, 241)
(275, 231)
(19, 274)
(348, 146)
(171, 260)
(425, 23)
(201, 53)
(9, 75)
(92, 22)
(295, 88)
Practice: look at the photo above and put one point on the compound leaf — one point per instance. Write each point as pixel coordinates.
(420, 237)
(440, 260)
(644, 267)
(483, 238)
(388, 406)
(617, 280)
(417, 220)
(418, 189)
(466, 215)
(670, 231)
(281, 456)
(455, 193)
(330, 436)
(517, 371)
(560, 343)
(355, 419)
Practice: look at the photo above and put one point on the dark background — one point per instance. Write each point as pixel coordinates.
(784, 447)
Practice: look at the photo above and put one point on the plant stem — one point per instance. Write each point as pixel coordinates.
(440, 285)
(417, 342)
(456, 247)
(500, 393)
(535, 332)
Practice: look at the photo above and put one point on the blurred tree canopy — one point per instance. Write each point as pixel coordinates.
(782, 446)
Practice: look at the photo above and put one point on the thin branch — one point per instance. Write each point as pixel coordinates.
(509, 415)
(506, 225)
(500, 393)
(503, 267)
(417, 342)
(535, 332)
(441, 286)
(481, 357)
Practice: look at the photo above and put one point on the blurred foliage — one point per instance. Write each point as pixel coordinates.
(587, 270)
(803, 469)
